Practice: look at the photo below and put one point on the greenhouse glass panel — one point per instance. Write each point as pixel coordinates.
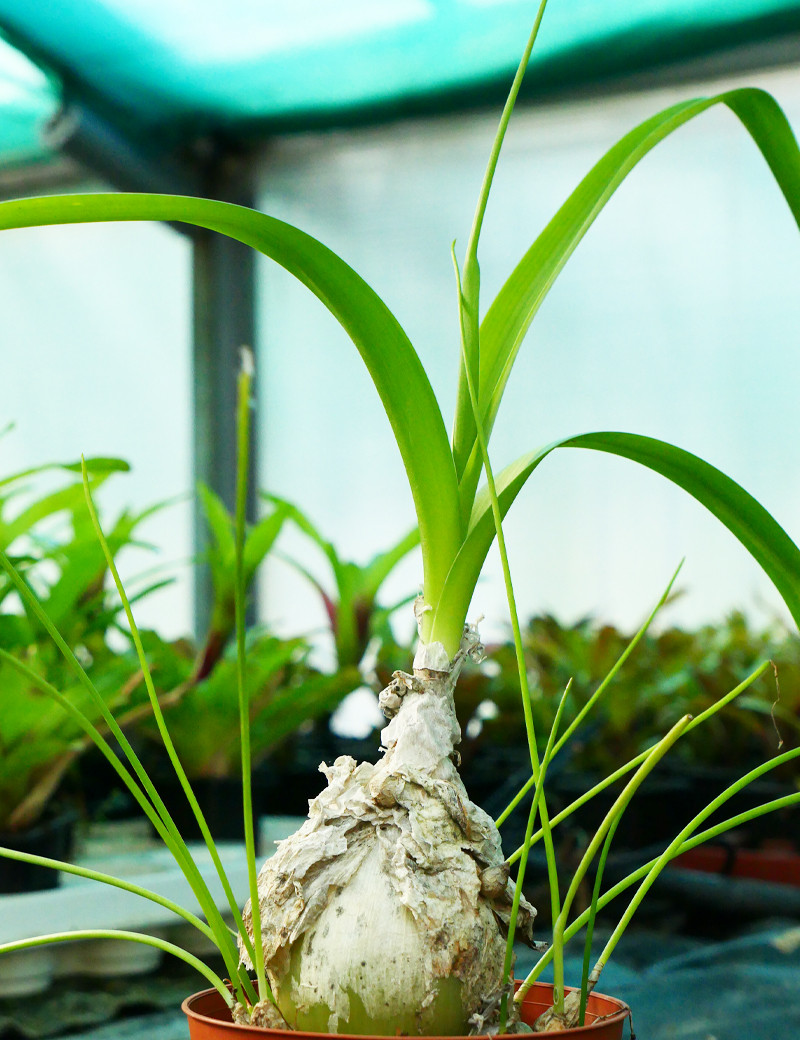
(96, 361)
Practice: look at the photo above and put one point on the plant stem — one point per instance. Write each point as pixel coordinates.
(661, 862)
(165, 829)
(587, 949)
(115, 882)
(616, 810)
(242, 461)
(534, 809)
(552, 872)
(139, 937)
(469, 299)
(511, 100)
(158, 715)
(684, 843)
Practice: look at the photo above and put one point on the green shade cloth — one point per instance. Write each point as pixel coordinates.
(166, 71)
(27, 101)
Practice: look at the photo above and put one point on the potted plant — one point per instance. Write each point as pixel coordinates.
(392, 908)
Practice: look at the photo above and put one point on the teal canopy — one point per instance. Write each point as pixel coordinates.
(167, 72)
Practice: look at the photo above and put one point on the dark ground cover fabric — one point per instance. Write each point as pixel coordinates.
(680, 988)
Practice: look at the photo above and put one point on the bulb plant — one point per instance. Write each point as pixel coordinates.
(392, 909)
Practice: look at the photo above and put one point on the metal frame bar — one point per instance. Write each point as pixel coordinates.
(223, 303)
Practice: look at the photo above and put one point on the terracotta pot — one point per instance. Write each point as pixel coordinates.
(778, 864)
(209, 1018)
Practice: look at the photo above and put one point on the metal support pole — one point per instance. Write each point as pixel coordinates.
(223, 289)
(224, 322)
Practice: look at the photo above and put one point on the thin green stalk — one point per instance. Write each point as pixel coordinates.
(625, 769)
(158, 715)
(534, 809)
(242, 461)
(469, 299)
(616, 810)
(169, 836)
(597, 693)
(501, 545)
(785, 802)
(488, 177)
(618, 664)
(587, 948)
(139, 937)
(660, 863)
(115, 882)
(684, 843)
(552, 871)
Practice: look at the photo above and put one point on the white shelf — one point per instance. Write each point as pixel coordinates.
(79, 903)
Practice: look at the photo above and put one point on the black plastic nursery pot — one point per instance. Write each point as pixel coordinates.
(210, 1019)
(220, 799)
(52, 836)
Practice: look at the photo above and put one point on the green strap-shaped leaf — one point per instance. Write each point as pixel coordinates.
(509, 317)
(756, 529)
(259, 541)
(392, 362)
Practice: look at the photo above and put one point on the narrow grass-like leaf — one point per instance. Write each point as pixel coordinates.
(532, 814)
(675, 846)
(114, 882)
(654, 756)
(623, 770)
(469, 290)
(393, 364)
(158, 715)
(447, 632)
(776, 804)
(243, 406)
(85, 934)
(155, 812)
(587, 948)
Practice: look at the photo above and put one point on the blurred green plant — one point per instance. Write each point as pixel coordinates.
(50, 538)
(673, 673)
(355, 617)
(282, 688)
(198, 690)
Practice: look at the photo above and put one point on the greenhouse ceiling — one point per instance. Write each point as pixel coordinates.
(170, 73)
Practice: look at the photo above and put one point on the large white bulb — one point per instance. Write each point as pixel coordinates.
(386, 912)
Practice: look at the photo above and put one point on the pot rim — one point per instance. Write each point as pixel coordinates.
(623, 1011)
